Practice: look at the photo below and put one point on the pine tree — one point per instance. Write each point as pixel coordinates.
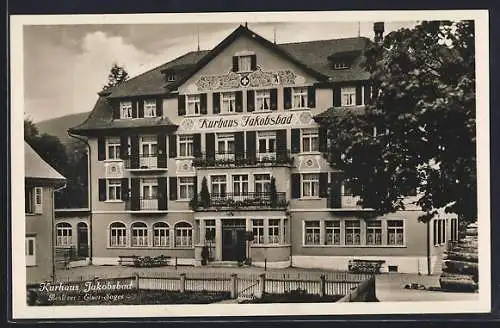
(273, 195)
(116, 76)
(204, 194)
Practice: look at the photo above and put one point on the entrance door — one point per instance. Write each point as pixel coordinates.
(82, 240)
(233, 240)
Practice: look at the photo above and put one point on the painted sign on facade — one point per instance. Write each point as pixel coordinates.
(254, 121)
(255, 79)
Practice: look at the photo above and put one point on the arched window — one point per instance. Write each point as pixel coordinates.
(117, 235)
(161, 233)
(183, 235)
(139, 234)
(64, 234)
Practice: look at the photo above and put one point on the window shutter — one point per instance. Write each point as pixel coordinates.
(216, 103)
(172, 146)
(337, 97)
(203, 103)
(162, 150)
(235, 64)
(210, 145)
(38, 201)
(250, 100)
(358, 95)
(311, 97)
(141, 108)
(274, 99)
(102, 190)
(135, 194)
(323, 185)
(116, 109)
(125, 189)
(162, 194)
(134, 152)
(251, 144)
(181, 105)
(295, 141)
(172, 186)
(295, 185)
(323, 140)
(159, 107)
(239, 144)
(197, 145)
(134, 109)
(101, 148)
(287, 98)
(253, 62)
(281, 146)
(239, 101)
(123, 147)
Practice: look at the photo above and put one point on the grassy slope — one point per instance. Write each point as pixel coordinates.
(59, 126)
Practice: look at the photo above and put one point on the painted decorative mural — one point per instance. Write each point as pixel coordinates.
(114, 169)
(256, 79)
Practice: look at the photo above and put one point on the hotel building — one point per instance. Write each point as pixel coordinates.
(214, 144)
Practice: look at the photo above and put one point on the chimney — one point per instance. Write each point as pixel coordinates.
(378, 28)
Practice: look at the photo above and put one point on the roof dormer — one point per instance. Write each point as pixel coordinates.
(343, 60)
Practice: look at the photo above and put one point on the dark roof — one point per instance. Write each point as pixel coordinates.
(36, 168)
(312, 56)
(101, 118)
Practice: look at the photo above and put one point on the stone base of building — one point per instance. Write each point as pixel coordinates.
(273, 265)
(401, 264)
(115, 261)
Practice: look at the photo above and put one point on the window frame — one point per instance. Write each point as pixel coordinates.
(271, 231)
(348, 91)
(158, 229)
(181, 182)
(121, 236)
(304, 93)
(313, 185)
(315, 230)
(312, 137)
(265, 184)
(402, 227)
(64, 234)
(193, 99)
(228, 97)
(150, 105)
(115, 184)
(218, 183)
(269, 138)
(139, 231)
(30, 259)
(114, 143)
(128, 109)
(259, 94)
(150, 183)
(352, 232)
(259, 237)
(374, 230)
(242, 183)
(241, 59)
(335, 230)
(186, 240)
(188, 141)
(208, 228)
(227, 139)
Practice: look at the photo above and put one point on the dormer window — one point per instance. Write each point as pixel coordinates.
(125, 109)
(170, 76)
(150, 108)
(244, 62)
(340, 65)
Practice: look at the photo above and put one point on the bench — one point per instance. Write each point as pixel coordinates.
(130, 260)
(365, 266)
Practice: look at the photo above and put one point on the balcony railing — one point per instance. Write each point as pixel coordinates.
(144, 204)
(343, 201)
(146, 162)
(235, 201)
(231, 159)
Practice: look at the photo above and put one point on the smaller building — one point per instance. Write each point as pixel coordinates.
(40, 182)
(72, 236)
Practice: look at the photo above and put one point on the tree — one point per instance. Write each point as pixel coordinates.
(204, 194)
(273, 195)
(116, 76)
(418, 130)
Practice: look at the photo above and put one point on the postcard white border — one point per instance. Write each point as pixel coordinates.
(21, 311)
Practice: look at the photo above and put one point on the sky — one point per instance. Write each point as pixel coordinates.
(66, 65)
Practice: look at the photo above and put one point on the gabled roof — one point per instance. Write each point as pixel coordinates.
(36, 168)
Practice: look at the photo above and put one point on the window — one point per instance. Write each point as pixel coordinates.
(312, 233)
(64, 233)
(228, 102)
(118, 235)
(113, 148)
(262, 183)
(210, 230)
(183, 235)
(352, 232)
(273, 231)
(218, 185)
(185, 146)
(149, 146)
(149, 188)
(30, 251)
(240, 185)
(299, 96)
(139, 234)
(244, 63)
(193, 104)
(150, 108)
(186, 187)
(114, 189)
(171, 77)
(310, 185)
(33, 200)
(340, 65)
(332, 232)
(454, 230)
(267, 142)
(348, 96)
(161, 235)
(262, 100)
(225, 144)
(395, 232)
(374, 232)
(125, 109)
(310, 140)
(258, 231)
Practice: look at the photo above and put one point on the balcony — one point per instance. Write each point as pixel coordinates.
(241, 201)
(230, 159)
(146, 162)
(345, 201)
(145, 204)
